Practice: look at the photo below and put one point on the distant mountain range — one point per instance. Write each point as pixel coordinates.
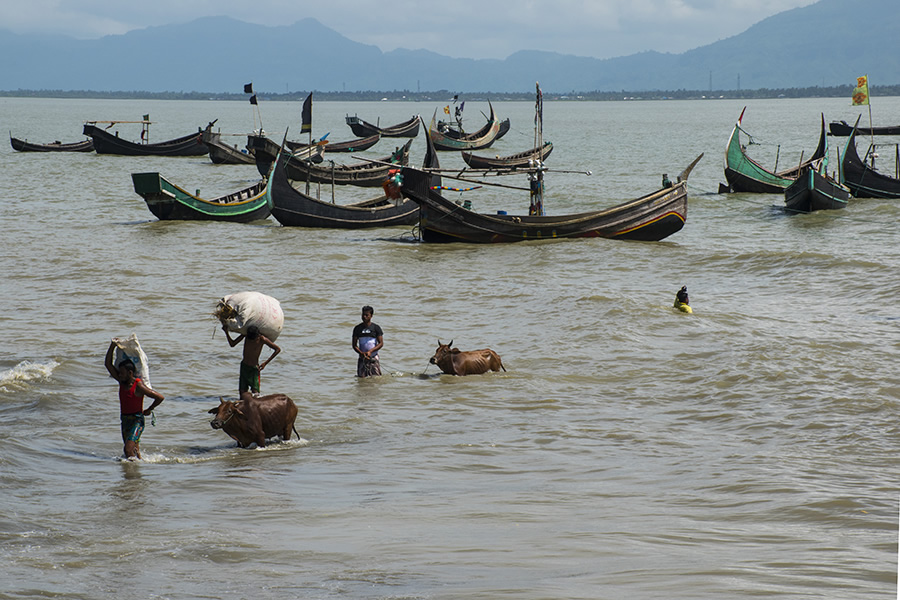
(827, 43)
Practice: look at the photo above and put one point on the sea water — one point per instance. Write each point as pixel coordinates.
(629, 450)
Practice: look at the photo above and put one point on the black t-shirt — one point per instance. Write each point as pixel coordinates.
(367, 335)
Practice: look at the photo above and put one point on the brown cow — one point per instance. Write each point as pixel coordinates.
(254, 419)
(473, 362)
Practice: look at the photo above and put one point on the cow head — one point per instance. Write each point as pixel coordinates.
(442, 352)
(224, 412)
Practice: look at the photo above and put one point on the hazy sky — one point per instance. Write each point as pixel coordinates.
(458, 28)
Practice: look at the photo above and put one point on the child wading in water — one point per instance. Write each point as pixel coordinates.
(131, 402)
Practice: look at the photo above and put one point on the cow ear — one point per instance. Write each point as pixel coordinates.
(238, 410)
(213, 411)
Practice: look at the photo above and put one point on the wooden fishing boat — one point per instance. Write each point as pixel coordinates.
(862, 179)
(652, 217)
(265, 150)
(293, 208)
(364, 128)
(519, 160)
(364, 174)
(843, 129)
(169, 202)
(26, 146)
(815, 190)
(447, 138)
(357, 145)
(746, 175)
(107, 143)
(504, 129)
(455, 132)
(221, 153)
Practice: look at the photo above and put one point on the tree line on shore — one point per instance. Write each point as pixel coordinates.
(842, 91)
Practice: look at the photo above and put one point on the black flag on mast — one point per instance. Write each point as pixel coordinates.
(307, 115)
(248, 88)
(253, 99)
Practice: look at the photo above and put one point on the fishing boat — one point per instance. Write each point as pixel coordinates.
(107, 143)
(221, 153)
(455, 131)
(26, 146)
(861, 177)
(369, 173)
(815, 190)
(843, 129)
(652, 217)
(746, 175)
(265, 150)
(519, 160)
(169, 202)
(357, 145)
(445, 137)
(504, 129)
(364, 128)
(293, 208)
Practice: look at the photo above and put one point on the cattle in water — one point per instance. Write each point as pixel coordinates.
(254, 419)
(452, 361)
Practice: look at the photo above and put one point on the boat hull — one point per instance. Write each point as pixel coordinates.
(744, 174)
(293, 208)
(520, 160)
(863, 180)
(363, 128)
(843, 129)
(362, 174)
(26, 146)
(107, 143)
(169, 202)
(653, 217)
(450, 139)
(814, 191)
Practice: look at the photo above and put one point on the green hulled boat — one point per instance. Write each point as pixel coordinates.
(168, 201)
(746, 175)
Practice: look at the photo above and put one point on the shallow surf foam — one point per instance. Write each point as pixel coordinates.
(26, 372)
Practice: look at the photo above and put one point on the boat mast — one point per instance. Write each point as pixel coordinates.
(536, 178)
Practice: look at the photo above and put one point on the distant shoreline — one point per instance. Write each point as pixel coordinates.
(408, 96)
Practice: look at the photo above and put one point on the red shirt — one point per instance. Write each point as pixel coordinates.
(130, 400)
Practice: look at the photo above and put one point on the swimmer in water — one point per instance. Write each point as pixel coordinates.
(682, 301)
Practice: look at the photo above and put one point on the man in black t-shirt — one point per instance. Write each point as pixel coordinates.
(367, 341)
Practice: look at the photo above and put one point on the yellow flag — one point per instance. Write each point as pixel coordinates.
(861, 91)
(447, 109)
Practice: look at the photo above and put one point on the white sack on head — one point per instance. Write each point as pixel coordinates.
(239, 311)
(130, 349)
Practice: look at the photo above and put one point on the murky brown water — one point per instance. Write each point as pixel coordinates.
(630, 451)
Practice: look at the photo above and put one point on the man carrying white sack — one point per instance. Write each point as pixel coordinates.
(250, 365)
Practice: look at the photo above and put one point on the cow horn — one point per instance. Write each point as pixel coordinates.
(451, 343)
(439, 342)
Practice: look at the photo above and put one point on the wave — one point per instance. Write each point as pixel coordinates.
(25, 373)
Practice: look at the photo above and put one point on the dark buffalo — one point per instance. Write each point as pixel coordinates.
(254, 419)
(473, 362)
